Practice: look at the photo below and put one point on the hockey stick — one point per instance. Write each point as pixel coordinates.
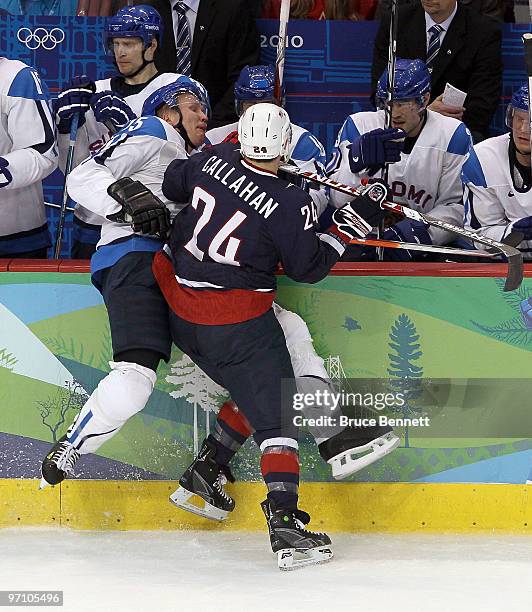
(278, 88)
(514, 276)
(527, 47)
(64, 197)
(426, 248)
(390, 84)
(52, 205)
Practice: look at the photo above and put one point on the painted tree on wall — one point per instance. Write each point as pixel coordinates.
(197, 389)
(406, 374)
(55, 409)
(7, 360)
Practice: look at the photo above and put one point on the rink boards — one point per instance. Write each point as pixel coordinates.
(468, 341)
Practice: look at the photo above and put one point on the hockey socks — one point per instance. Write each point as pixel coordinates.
(232, 429)
(279, 465)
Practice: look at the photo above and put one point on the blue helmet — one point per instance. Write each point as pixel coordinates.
(412, 80)
(169, 93)
(141, 21)
(254, 83)
(519, 101)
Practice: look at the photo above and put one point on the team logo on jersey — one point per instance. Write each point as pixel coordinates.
(40, 37)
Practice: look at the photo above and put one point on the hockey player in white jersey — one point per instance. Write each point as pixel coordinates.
(132, 38)
(121, 267)
(426, 177)
(256, 84)
(497, 179)
(28, 154)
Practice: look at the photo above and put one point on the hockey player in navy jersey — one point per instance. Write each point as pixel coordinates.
(218, 276)
(498, 180)
(347, 450)
(425, 173)
(132, 38)
(28, 154)
(175, 123)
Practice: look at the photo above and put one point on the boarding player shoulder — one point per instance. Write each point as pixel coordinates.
(142, 149)
(218, 134)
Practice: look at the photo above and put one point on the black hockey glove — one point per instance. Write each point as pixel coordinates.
(357, 218)
(140, 207)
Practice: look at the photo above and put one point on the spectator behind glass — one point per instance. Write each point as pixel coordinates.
(322, 9)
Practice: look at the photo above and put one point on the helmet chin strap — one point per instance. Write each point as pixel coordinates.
(145, 63)
(180, 129)
(514, 145)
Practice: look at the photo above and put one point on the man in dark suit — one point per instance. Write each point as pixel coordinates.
(466, 52)
(224, 40)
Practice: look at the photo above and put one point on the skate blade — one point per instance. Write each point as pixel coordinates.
(349, 462)
(180, 499)
(289, 559)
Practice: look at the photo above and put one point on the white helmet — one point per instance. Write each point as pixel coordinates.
(264, 132)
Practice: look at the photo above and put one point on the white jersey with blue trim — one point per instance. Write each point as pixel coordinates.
(426, 179)
(142, 150)
(493, 200)
(306, 152)
(28, 146)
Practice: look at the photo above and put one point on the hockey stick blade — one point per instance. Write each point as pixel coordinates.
(514, 276)
(426, 248)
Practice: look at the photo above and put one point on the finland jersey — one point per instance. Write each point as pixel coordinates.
(492, 200)
(27, 143)
(142, 150)
(92, 135)
(427, 179)
(306, 152)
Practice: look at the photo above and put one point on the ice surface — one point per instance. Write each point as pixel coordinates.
(214, 571)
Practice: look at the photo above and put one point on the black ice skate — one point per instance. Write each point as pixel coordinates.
(58, 463)
(206, 479)
(294, 545)
(355, 448)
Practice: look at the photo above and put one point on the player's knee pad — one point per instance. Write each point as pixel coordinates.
(124, 391)
(120, 395)
(305, 360)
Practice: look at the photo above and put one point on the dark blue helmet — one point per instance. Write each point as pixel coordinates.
(254, 83)
(412, 80)
(169, 93)
(519, 101)
(141, 21)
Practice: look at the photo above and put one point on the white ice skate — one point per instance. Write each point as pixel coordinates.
(355, 459)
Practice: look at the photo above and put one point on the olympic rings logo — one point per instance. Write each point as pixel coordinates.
(40, 37)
